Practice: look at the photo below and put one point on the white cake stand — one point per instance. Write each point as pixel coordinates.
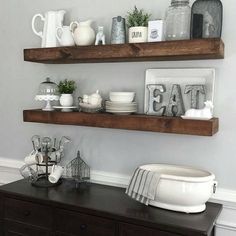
(48, 99)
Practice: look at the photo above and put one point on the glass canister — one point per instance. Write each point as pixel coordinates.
(178, 18)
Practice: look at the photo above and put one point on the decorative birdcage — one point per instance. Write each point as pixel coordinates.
(77, 170)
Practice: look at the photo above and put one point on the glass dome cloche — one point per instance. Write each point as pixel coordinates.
(48, 92)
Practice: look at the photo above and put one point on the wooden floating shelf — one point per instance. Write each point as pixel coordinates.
(161, 51)
(174, 125)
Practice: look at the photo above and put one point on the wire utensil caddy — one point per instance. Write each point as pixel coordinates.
(42, 178)
(39, 164)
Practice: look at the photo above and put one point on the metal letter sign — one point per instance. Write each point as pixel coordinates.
(176, 104)
(194, 91)
(155, 97)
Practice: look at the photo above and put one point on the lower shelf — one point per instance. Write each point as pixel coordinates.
(174, 125)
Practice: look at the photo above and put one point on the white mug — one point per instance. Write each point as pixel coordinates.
(55, 156)
(34, 157)
(64, 36)
(56, 174)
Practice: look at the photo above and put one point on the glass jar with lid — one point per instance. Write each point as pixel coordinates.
(178, 18)
(48, 88)
(48, 91)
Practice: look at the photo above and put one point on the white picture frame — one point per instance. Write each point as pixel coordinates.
(182, 77)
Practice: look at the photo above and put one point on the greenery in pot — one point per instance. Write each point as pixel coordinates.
(67, 86)
(137, 18)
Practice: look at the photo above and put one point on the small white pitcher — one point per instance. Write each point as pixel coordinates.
(64, 36)
(83, 33)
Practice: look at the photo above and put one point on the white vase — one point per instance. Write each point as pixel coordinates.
(66, 100)
(138, 34)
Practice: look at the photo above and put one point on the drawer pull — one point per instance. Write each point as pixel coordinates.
(27, 213)
(83, 227)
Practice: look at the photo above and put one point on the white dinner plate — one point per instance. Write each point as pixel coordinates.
(121, 103)
(123, 107)
(195, 118)
(61, 107)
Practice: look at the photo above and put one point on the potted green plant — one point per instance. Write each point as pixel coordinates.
(66, 89)
(137, 22)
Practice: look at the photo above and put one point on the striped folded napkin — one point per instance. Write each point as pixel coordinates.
(143, 185)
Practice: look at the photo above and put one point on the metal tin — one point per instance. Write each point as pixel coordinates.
(118, 31)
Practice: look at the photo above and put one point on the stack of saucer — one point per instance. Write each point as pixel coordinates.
(121, 103)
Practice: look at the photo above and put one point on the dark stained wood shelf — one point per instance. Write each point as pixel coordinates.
(162, 51)
(174, 125)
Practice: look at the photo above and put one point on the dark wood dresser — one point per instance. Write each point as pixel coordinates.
(92, 210)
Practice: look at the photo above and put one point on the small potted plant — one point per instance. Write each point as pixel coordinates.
(66, 89)
(137, 22)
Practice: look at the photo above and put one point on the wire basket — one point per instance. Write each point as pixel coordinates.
(77, 170)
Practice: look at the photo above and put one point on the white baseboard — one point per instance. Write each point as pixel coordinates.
(226, 223)
(8, 175)
(109, 178)
(6, 162)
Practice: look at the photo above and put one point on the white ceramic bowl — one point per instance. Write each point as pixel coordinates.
(181, 188)
(121, 96)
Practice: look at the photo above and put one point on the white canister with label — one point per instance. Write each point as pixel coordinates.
(138, 34)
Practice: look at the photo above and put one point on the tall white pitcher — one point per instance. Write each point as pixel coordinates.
(52, 20)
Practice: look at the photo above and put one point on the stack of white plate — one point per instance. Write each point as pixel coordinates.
(121, 103)
(121, 108)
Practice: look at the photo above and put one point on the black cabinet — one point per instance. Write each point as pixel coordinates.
(28, 213)
(26, 218)
(12, 228)
(1, 207)
(1, 228)
(1, 215)
(75, 223)
(92, 210)
(134, 230)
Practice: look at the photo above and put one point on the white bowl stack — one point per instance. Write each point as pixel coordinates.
(121, 103)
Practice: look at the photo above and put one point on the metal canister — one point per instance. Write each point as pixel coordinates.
(118, 31)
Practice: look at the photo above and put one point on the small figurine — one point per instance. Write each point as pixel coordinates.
(205, 113)
(100, 37)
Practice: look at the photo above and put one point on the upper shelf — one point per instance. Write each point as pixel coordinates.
(161, 51)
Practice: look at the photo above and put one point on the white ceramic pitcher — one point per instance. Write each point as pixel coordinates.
(52, 20)
(83, 33)
(64, 36)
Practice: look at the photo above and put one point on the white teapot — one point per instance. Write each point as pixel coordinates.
(83, 33)
(94, 99)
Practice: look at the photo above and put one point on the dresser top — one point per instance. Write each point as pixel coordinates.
(112, 202)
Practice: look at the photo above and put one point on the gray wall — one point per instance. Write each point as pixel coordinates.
(117, 151)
